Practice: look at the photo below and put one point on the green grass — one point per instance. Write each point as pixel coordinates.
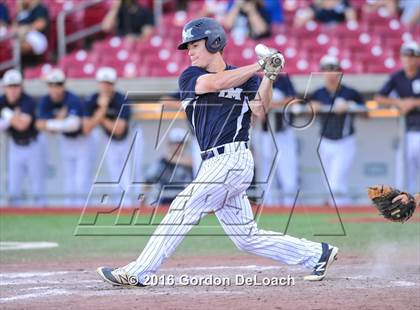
(356, 237)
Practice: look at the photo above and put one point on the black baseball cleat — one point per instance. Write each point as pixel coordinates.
(329, 254)
(118, 277)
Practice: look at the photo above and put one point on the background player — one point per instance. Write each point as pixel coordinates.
(106, 109)
(338, 144)
(286, 170)
(170, 173)
(61, 112)
(18, 112)
(403, 90)
(219, 100)
(172, 101)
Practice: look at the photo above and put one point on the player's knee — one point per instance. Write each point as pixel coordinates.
(244, 243)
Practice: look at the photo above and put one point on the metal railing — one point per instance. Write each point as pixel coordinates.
(15, 61)
(63, 39)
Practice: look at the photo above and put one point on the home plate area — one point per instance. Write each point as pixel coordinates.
(351, 284)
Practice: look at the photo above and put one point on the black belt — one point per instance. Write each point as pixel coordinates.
(216, 151)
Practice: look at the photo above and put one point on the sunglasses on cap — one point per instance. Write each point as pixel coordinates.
(410, 52)
(330, 67)
(56, 84)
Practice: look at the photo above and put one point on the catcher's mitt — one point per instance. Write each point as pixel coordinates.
(396, 210)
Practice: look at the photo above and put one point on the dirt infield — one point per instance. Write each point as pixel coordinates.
(352, 283)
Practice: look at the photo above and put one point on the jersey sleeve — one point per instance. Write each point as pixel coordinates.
(358, 98)
(252, 86)
(89, 106)
(187, 82)
(44, 112)
(315, 96)
(388, 87)
(126, 110)
(29, 106)
(290, 89)
(283, 88)
(75, 106)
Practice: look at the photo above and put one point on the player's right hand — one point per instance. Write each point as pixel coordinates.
(103, 101)
(270, 60)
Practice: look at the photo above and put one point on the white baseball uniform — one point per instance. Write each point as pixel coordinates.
(73, 147)
(401, 86)
(24, 155)
(221, 122)
(338, 144)
(280, 138)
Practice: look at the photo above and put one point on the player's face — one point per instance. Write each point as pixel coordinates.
(198, 53)
(410, 62)
(56, 92)
(13, 92)
(106, 88)
(331, 77)
(27, 3)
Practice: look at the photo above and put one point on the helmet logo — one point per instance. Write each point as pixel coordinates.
(187, 35)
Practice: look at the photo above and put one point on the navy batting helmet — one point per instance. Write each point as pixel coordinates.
(204, 28)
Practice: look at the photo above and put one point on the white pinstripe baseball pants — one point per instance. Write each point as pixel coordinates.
(220, 187)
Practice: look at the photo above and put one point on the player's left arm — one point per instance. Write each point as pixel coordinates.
(283, 95)
(22, 116)
(119, 125)
(20, 120)
(70, 118)
(261, 103)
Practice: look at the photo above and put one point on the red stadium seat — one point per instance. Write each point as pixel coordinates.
(345, 31)
(349, 66)
(78, 59)
(311, 29)
(37, 72)
(94, 15)
(383, 65)
(166, 69)
(86, 70)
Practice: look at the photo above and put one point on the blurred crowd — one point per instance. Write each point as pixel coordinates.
(135, 20)
(73, 119)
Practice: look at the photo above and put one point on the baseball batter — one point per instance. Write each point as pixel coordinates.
(219, 100)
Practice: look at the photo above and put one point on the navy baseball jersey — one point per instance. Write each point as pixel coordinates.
(114, 108)
(337, 126)
(49, 109)
(399, 86)
(28, 106)
(221, 117)
(282, 88)
(27, 17)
